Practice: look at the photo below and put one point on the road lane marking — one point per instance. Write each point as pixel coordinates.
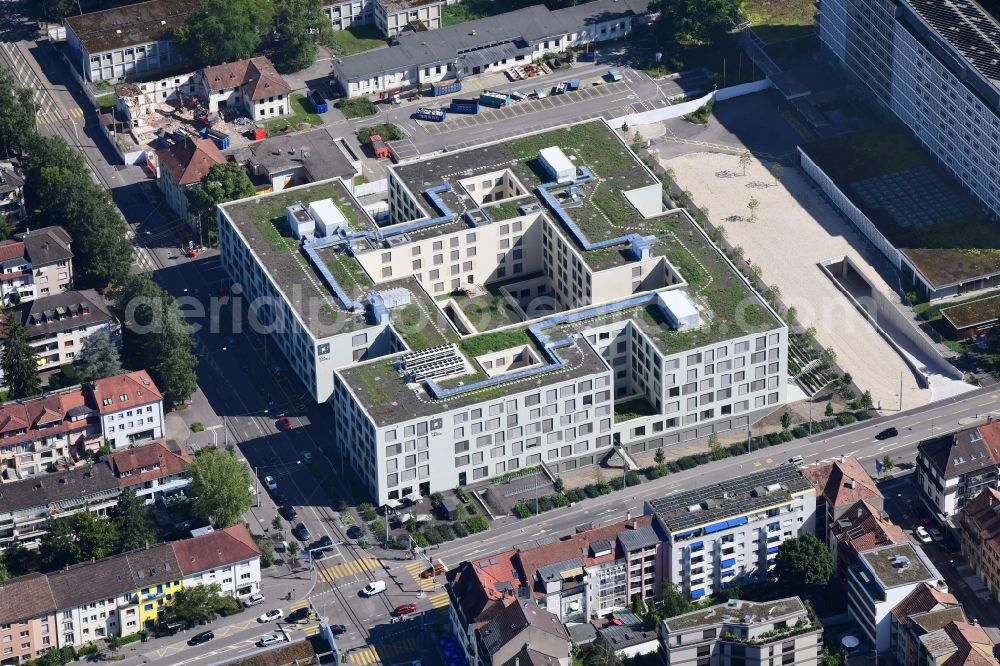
(439, 600)
(351, 568)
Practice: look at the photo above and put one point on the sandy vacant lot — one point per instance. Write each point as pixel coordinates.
(794, 231)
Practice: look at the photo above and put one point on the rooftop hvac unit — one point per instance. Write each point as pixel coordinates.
(557, 164)
(395, 298)
(300, 222)
(328, 218)
(679, 309)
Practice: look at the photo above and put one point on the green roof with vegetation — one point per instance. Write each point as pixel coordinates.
(977, 311)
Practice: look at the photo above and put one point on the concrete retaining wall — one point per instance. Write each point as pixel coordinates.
(684, 108)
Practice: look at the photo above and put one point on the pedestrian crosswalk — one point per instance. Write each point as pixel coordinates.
(312, 630)
(439, 600)
(298, 604)
(417, 568)
(49, 117)
(351, 568)
(396, 652)
(364, 657)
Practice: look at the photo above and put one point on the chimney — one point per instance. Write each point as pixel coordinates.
(628, 515)
(853, 484)
(635, 525)
(843, 458)
(147, 544)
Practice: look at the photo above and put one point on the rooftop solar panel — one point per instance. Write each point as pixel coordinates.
(968, 28)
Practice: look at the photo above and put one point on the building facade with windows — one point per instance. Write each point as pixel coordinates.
(57, 326)
(931, 63)
(744, 633)
(979, 521)
(433, 390)
(27, 619)
(839, 485)
(954, 468)
(133, 41)
(924, 610)
(251, 86)
(130, 407)
(151, 471)
(182, 166)
(228, 558)
(729, 533)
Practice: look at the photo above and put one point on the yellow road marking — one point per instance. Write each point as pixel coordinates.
(352, 568)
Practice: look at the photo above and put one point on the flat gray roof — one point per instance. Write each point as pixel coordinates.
(315, 151)
(520, 27)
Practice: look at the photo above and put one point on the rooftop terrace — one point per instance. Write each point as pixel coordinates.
(261, 221)
(735, 612)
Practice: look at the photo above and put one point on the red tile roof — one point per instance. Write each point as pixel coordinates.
(923, 598)
(11, 250)
(981, 517)
(868, 528)
(137, 386)
(215, 549)
(256, 74)
(974, 647)
(24, 598)
(188, 161)
(842, 482)
(158, 460)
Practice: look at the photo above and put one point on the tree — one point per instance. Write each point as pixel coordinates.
(777, 171)
(17, 114)
(786, 420)
(829, 409)
(276, 523)
(114, 642)
(4, 571)
(715, 448)
(697, 20)
(804, 563)
(659, 457)
(745, 161)
(753, 205)
(47, 151)
(131, 517)
(49, 10)
(673, 602)
(223, 182)
(220, 485)
(866, 400)
(266, 549)
(19, 561)
(293, 547)
(601, 653)
(301, 25)
(96, 537)
(156, 337)
(196, 604)
(58, 547)
(19, 362)
(887, 462)
(99, 357)
(224, 31)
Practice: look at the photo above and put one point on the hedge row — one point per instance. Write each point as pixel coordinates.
(441, 533)
(525, 509)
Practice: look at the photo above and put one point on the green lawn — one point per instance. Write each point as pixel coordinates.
(107, 101)
(291, 123)
(781, 20)
(356, 39)
(357, 107)
(461, 12)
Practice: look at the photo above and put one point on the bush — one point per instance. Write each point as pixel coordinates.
(633, 479)
(590, 490)
(545, 504)
(229, 606)
(862, 415)
(378, 529)
(652, 472)
(575, 495)
(560, 500)
(367, 512)
(461, 494)
(432, 536)
(420, 539)
(799, 432)
(471, 509)
(90, 648)
(357, 107)
(686, 462)
(436, 499)
(197, 426)
(603, 488)
(387, 131)
(136, 637)
(477, 524)
(446, 532)
(845, 419)
(617, 483)
(521, 510)
(460, 530)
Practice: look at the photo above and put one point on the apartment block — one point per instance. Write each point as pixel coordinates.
(60, 428)
(395, 16)
(27, 619)
(35, 264)
(57, 326)
(955, 468)
(744, 633)
(498, 320)
(251, 86)
(931, 63)
(150, 471)
(182, 166)
(924, 611)
(979, 521)
(729, 533)
(882, 578)
(840, 485)
(130, 42)
(862, 527)
(349, 13)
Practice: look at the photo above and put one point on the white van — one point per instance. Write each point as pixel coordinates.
(373, 588)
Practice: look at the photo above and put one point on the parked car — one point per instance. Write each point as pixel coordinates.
(887, 433)
(271, 615)
(253, 600)
(923, 536)
(270, 639)
(338, 629)
(307, 456)
(284, 423)
(301, 533)
(168, 628)
(203, 637)
(794, 460)
(354, 532)
(404, 609)
(288, 512)
(279, 497)
(270, 483)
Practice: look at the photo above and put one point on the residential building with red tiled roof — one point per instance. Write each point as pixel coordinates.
(860, 528)
(27, 619)
(36, 264)
(979, 521)
(925, 609)
(152, 470)
(954, 468)
(957, 643)
(228, 557)
(130, 407)
(252, 86)
(181, 167)
(839, 485)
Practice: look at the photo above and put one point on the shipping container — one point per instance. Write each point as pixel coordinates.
(493, 99)
(221, 139)
(379, 147)
(445, 88)
(258, 133)
(317, 102)
(433, 115)
(464, 106)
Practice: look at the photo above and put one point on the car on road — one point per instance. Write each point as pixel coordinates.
(436, 570)
(253, 600)
(203, 637)
(301, 533)
(279, 497)
(404, 609)
(338, 629)
(270, 639)
(288, 512)
(284, 423)
(298, 615)
(887, 433)
(373, 588)
(923, 536)
(270, 483)
(794, 460)
(324, 542)
(307, 456)
(271, 615)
